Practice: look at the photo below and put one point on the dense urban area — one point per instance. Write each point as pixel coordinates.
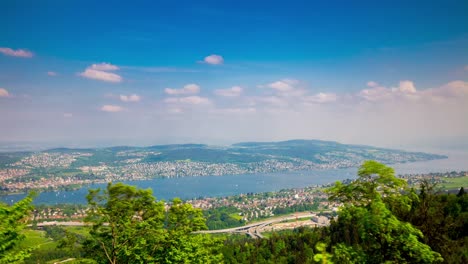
(68, 168)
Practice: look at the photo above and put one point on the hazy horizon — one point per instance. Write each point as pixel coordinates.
(442, 148)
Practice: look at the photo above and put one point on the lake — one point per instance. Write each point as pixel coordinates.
(227, 185)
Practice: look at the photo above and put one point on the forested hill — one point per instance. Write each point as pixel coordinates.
(327, 154)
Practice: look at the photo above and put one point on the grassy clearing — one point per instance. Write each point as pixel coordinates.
(79, 230)
(298, 220)
(236, 216)
(37, 238)
(455, 183)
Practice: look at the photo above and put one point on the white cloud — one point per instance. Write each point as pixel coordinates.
(284, 85)
(101, 76)
(104, 67)
(4, 92)
(187, 89)
(375, 94)
(51, 73)
(214, 59)
(100, 72)
(407, 91)
(130, 98)
(16, 53)
(321, 98)
(406, 87)
(455, 89)
(112, 108)
(230, 92)
(372, 84)
(67, 115)
(189, 100)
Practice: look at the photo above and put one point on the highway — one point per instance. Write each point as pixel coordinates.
(254, 229)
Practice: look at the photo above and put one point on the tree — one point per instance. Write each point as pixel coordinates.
(130, 226)
(366, 226)
(12, 221)
(181, 246)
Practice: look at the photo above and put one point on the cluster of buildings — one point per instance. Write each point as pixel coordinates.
(49, 183)
(13, 173)
(49, 160)
(261, 205)
(179, 169)
(433, 177)
(57, 213)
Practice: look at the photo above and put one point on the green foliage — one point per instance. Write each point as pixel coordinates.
(302, 207)
(130, 226)
(54, 244)
(367, 227)
(222, 217)
(443, 219)
(374, 179)
(295, 246)
(323, 256)
(12, 221)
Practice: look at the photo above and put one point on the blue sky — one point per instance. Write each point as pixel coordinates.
(150, 72)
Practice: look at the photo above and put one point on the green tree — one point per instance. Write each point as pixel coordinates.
(366, 226)
(130, 226)
(12, 221)
(181, 245)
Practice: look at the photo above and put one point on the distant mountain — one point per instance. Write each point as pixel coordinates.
(316, 151)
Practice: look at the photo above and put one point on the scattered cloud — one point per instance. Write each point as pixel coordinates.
(189, 100)
(67, 115)
(284, 85)
(406, 87)
(230, 92)
(112, 108)
(407, 91)
(104, 67)
(375, 94)
(130, 98)
(187, 89)
(4, 92)
(22, 53)
(214, 59)
(51, 73)
(455, 89)
(372, 84)
(101, 72)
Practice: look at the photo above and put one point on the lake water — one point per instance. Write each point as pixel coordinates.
(216, 186)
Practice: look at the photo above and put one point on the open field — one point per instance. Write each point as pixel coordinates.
(37, 238)
(455, 183)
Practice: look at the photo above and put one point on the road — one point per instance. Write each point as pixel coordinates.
(58, 223)
(254, 230)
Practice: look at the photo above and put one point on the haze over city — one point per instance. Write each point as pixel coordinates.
(91, 73)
